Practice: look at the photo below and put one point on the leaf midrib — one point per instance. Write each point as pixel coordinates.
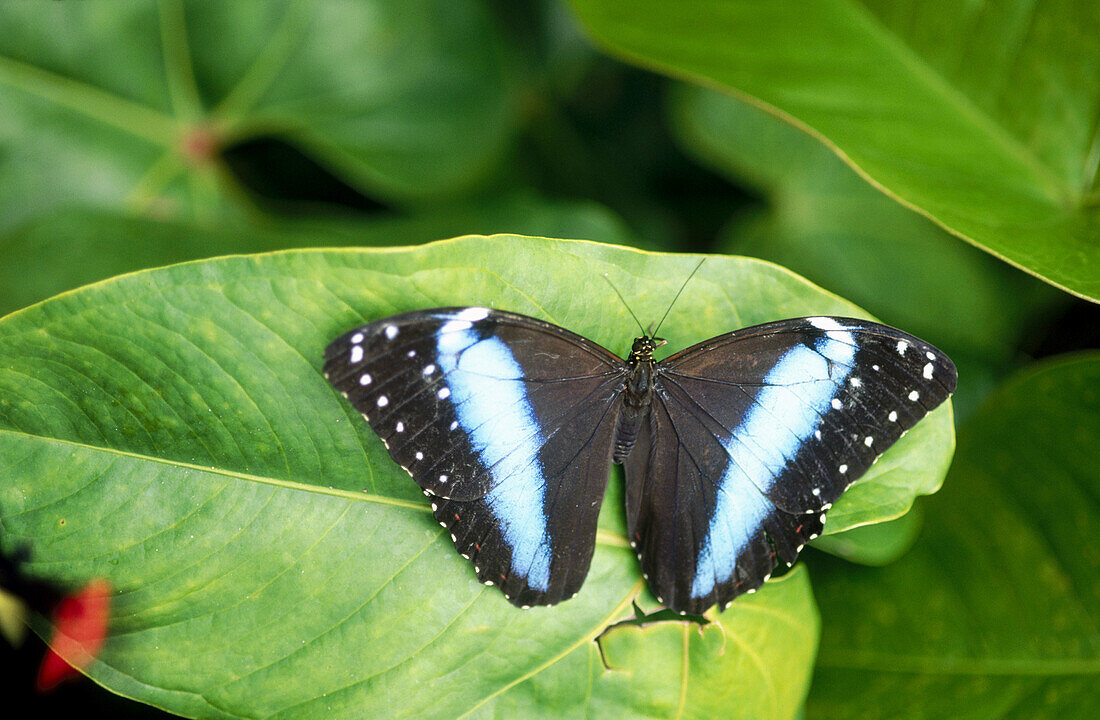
(936, 81)
(590, 636)
(214, 470)
(603, 537)
(136, 119)
(1055, 188)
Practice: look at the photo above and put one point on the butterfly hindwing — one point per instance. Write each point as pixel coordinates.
(535, 540)
(505, 421)
(754, 434)
(681, 492)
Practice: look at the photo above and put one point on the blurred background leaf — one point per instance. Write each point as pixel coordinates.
(995, 613)
(983, 117)
(72, 247)
(402, 102)
(825, 222)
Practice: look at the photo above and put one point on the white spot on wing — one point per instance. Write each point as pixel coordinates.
(391, 332)
(843, 469)
(383, 401)
(356, 354)
(444, 393)
(928, 371)
(914, 396)
(365, 379)
(868, 440)
(357, 338)
(893, 416)
(837, 405)
(400, 427)
(472, 314)
(429, 369)
(825, 323)
(419, 455)
(902, 347)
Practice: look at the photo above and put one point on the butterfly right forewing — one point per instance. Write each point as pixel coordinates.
(752, 437)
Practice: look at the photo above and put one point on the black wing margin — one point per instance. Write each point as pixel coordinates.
(755, 434)
(505, 421)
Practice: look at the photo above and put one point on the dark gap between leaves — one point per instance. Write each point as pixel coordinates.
(282, 178)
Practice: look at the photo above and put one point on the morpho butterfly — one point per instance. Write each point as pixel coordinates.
(734, 448)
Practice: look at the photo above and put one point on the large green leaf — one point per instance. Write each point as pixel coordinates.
(170, 431)
(982, 117)
(403, 101)
(749, 662)
(824, 222)
(66, 249)
(995, 613)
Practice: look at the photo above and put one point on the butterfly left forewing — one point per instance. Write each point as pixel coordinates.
(504, 421)
(784, 417)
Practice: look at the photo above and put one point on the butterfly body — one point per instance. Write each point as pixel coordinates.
(733, 449)
(637, 394)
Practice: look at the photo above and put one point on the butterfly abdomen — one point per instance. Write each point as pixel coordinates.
(626, 434)
(637, 397)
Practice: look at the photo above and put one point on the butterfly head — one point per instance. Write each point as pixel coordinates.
(644, 346)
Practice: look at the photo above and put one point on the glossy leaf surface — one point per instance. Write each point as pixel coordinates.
(170, 431)
(982, 117)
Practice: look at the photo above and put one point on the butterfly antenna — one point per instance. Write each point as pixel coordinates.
(678, 292)
(621, 298)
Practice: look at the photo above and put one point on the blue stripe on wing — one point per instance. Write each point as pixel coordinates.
(490, 400)
(796, 393)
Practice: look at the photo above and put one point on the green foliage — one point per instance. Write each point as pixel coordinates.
(995, 613)
(981, 119)
(72, 247)
(265, 546)
(169, 429)
(826, 223)
(407, 101)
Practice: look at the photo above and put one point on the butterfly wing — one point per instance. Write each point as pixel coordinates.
(505, 421)
(753, 435)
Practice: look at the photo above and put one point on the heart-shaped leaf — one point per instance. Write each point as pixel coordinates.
(826, 223)
(981, 117)
(403, 101)
(170, 431)
(995, 613)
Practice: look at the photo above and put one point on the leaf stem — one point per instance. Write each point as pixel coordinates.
(179, 71)
(261, 74)
(92, 102)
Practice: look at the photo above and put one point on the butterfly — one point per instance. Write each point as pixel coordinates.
(734, 449)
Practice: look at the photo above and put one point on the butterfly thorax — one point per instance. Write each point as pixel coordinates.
(637, 393)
